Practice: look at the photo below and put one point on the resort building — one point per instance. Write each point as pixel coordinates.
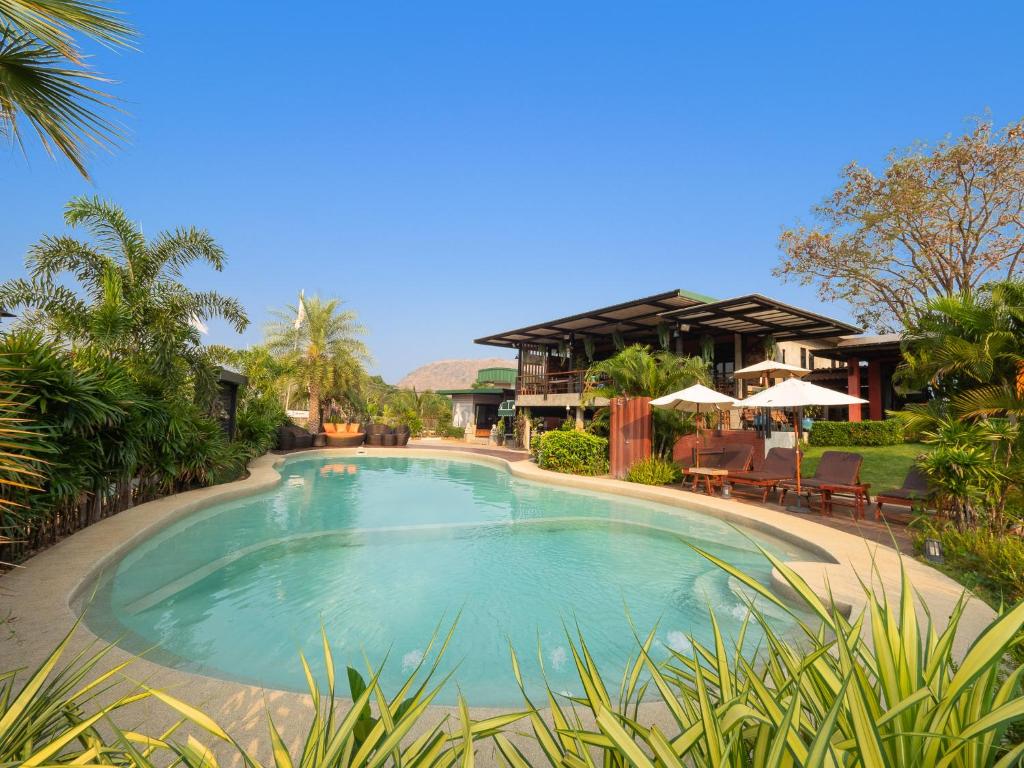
(553, 356)
(478, 408)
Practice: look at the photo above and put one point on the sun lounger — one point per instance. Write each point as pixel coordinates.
(913, 491)
(731, 458)
(779, 465)
(837, 472)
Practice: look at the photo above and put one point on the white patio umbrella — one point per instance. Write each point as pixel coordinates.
(794, 393)
(770, 369)
(691, 399)
(764, 372)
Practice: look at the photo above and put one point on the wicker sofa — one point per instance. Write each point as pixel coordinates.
(290, 437)
(384, 436)
(347, 435)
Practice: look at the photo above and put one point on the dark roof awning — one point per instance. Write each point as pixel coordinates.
(232, 377)
(757, 314)
(637, 315)
(864, 347)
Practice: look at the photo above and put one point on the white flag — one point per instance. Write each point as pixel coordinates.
(301, 314)
(198, 324)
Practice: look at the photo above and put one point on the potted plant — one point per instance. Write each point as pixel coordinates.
(499, 432)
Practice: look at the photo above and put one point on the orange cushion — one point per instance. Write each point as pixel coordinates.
(330, 428)
(352, 428)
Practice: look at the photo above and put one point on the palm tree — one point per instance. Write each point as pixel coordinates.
(970, 349)
(320, 344)
(637, 372)
(129, 303)
(45, 81)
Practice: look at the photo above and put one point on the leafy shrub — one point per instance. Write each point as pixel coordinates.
(450, 430)
(653, 471)
(845, 433)
(982, 559)
(575, 453)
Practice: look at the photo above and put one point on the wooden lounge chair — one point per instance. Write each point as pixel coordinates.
(837, 472)
(731, 458)
(913, 491)
(779, 465)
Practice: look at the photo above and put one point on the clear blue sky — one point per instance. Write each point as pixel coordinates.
(455, 169)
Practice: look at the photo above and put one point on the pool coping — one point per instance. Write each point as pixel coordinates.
(38, 598)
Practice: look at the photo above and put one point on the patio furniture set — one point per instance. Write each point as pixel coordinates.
(837, 474)
(342, 435)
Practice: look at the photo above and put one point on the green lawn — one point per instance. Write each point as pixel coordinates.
(884, 466)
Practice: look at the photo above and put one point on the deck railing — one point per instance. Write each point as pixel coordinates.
(556, 383)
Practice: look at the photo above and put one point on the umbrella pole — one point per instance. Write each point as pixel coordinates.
(696, 458)
(799, 506)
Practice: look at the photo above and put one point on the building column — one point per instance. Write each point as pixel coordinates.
(875, 390)
(853, 386)
(737, 361)
(579, 417)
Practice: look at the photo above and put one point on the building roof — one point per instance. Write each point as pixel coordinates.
(880, 345)
(232, 377)
(476, 391)
(643, 314)
(495, 375)
(759, 314)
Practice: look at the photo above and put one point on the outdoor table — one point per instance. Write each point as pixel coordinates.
(708, 473)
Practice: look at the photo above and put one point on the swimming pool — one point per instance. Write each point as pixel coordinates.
(380, 550)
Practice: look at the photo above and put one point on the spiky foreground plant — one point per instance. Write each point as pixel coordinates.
(831, 699)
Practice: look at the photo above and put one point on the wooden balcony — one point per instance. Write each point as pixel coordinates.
(555, 383)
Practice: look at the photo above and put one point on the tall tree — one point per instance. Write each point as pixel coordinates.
(129, 302)
(320, 342)
(44, 78)
(939, 221)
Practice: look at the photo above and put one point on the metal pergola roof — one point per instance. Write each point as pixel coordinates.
(644, 314)
(758, 314)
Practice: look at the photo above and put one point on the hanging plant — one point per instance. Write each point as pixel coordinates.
(563, 350)
(770, 346)
(617, 339)
(588, 348)
(664, 336)
(707, 348)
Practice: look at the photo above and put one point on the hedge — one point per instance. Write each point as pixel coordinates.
(575, 453)
(844, 433)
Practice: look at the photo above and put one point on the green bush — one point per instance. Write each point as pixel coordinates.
(845, 433)
(575, 453)
(653, 471)
(986, 561)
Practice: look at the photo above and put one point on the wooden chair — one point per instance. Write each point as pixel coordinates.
(779, 465)
(837, 472)
(913, 491)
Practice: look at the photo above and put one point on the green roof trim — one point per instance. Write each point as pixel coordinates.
(496, 375)
(477, 391)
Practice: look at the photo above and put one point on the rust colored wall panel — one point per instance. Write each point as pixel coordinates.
(629, 438)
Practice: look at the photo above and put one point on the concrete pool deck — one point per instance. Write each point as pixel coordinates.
(37, 598)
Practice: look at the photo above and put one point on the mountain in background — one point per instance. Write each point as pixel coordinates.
(450, 374)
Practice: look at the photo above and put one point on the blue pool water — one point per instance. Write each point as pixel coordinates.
(380, 550)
